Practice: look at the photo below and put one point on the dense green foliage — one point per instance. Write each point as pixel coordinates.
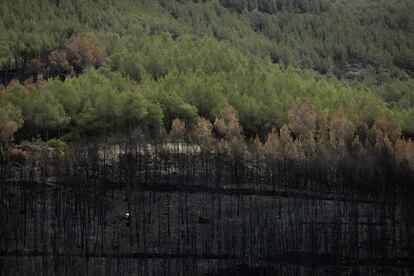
(340, 37)
(159, 60)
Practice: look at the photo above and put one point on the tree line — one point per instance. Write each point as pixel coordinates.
(311, 152)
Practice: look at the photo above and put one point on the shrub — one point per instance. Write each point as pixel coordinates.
(56, 144)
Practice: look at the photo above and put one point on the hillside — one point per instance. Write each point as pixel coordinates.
(206, 137)
(161, 60)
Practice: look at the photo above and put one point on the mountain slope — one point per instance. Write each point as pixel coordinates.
(167, 59)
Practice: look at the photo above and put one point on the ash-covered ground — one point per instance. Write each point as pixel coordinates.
(59, 230)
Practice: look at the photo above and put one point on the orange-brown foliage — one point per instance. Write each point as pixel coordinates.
(177, 129)
(341, 128)
(17, 155)
(302, 118)
(202, 132)
(7, 130)
(227, 125)
(404, 152)
(79, 52)
(83, 51)
(272, 144)
(59, 63)
(385, 127)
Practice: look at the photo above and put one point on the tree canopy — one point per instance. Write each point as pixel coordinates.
(99, 67)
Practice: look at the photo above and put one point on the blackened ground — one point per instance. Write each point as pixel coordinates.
(173, 230)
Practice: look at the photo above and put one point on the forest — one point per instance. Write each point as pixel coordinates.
(123, 121)
(191, 59)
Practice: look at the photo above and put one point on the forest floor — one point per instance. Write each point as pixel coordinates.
(167, 231)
